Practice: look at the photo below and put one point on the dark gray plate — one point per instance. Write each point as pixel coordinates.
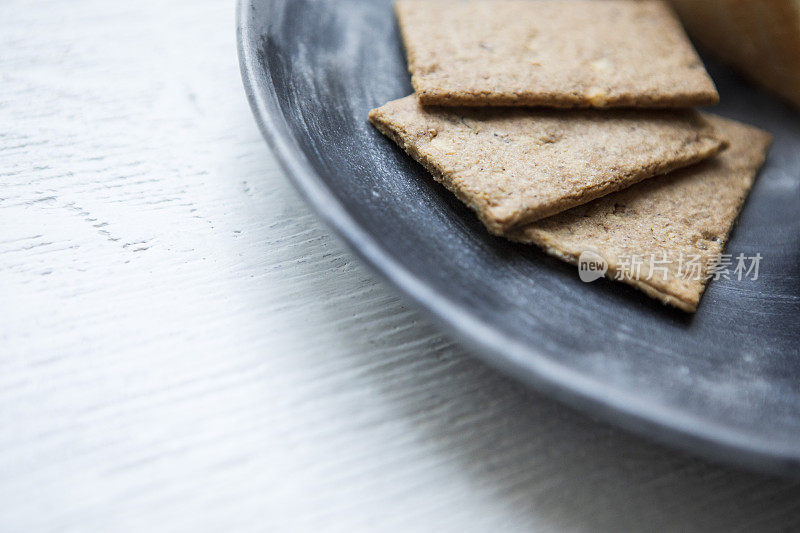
(724, 384)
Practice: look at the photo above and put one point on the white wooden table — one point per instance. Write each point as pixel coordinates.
(185, 348)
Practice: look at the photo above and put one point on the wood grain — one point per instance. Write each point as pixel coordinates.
(184, 347)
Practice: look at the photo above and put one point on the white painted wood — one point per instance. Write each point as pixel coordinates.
(184, 348)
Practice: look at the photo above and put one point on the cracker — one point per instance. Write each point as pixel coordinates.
(513, 166)
(551, 53)
(672, 224)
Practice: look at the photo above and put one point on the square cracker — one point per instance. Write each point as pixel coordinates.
(551, 53)
(513, 166)
(670, 223)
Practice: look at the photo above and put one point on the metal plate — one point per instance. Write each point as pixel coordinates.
(724, 383)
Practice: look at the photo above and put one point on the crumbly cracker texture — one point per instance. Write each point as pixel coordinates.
(681, 220)
(551, 53)
(514, 166)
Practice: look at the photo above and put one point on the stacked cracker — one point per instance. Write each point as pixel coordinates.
(488, 119)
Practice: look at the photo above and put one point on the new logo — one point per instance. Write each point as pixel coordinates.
(591, 266)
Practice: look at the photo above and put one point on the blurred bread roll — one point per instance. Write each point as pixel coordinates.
(760, 38)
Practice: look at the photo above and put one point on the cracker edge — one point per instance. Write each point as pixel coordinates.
(683, 300)
(708, 96)
(501, 225)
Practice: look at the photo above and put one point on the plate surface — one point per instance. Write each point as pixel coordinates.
(724, 384)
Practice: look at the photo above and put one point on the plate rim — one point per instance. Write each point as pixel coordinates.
(648, 419)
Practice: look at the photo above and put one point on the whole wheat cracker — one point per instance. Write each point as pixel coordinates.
(513, 166)
(553, 53)
(673, 224)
